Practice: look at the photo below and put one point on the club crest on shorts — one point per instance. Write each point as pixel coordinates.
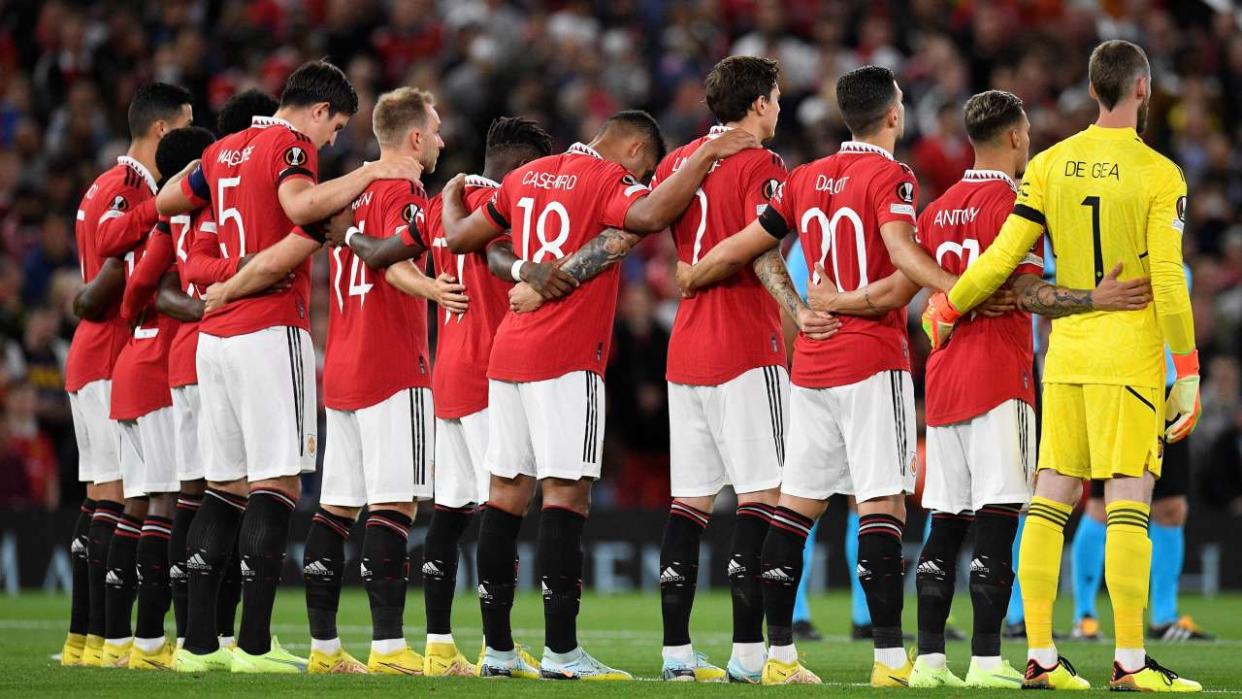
(295, 156)
(311, 445)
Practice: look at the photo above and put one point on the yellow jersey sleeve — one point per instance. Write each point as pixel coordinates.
(1022, 228)
(1165, 223)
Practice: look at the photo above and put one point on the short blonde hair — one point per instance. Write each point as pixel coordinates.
(399, 111)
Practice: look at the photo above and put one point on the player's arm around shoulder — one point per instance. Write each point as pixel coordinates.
(1022, 228)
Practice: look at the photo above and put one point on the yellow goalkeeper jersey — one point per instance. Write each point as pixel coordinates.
(1103, 197)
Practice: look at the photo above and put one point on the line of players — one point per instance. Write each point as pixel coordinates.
(536, 418)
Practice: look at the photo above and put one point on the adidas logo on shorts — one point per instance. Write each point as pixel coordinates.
(670, 575)
(313, 568)
(777, 575)
(196, 562)
(735, 568)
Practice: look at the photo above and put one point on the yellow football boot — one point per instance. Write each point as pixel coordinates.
(338, 663)
(775, 672)
(116, 655)
(400, 662)
(444, 660)
(1060, 676)
(71, 652)
(892, 677)
(1152, 677)
(160, 659)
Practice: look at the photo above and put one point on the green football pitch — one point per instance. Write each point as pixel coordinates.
(622, 630)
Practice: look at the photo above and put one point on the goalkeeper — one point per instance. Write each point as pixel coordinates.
(1103, 197)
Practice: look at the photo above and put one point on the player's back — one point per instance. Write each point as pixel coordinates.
(140, 382)
(733, 326)
(553, 206)
(989, 359)
(837, 205)
(181, 356)
(1097, 193)
(243, 172)
(464, 340)
(377, 334)
(96, 343)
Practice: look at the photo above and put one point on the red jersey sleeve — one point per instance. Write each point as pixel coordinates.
(777, 219)
(127, 221)
(498, 209)
(205, 266)
(618, 191)
(195, 188)
(763, 179)
(293, 157)
(406, 215)
(424, 232)
(145, 279)
(895, 195)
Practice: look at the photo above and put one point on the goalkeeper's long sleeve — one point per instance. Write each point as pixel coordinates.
(996, 263)
(1168, 274)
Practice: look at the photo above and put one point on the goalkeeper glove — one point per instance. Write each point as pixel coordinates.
(938, 319)
(1182, 406)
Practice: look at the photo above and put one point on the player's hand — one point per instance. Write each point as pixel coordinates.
(548, 279)
(453, 188)
(216, 297)
(728, 143)
(820, 296)
(523, 298)
(938, 319)
(1128, 295)
(403, 168)
(817, 325)
(451, 295)
(682, 277)
(338, 225)
(1182, 406)
(999, 303)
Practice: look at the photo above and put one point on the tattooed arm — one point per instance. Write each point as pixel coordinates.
(1038, 296)
(600, 253)
(772, 273)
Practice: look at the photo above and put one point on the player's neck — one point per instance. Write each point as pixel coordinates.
(143, 150)
(1122, 116)
(885, 138)
(296, 116)
(986, 160)
(749, 125)
(394, 155)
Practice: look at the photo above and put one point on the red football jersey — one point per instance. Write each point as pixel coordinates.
(464, 342)
(556, 205)
(193, 236)
(140, 378)
(734, 326)
(240, 175)
(377, 334)
(988, 360)
(121, 189)
(838, 204)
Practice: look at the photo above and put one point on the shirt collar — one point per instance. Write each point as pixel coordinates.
(719, 129)
(860, 147)
(481, 181)
(141, 169)
(1119, 133)
(266, 121)
(973, 175)
(581, 148)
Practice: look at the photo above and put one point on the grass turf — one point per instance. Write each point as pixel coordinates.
(622, 630)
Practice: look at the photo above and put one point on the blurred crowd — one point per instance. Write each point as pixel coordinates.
(68, 70)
